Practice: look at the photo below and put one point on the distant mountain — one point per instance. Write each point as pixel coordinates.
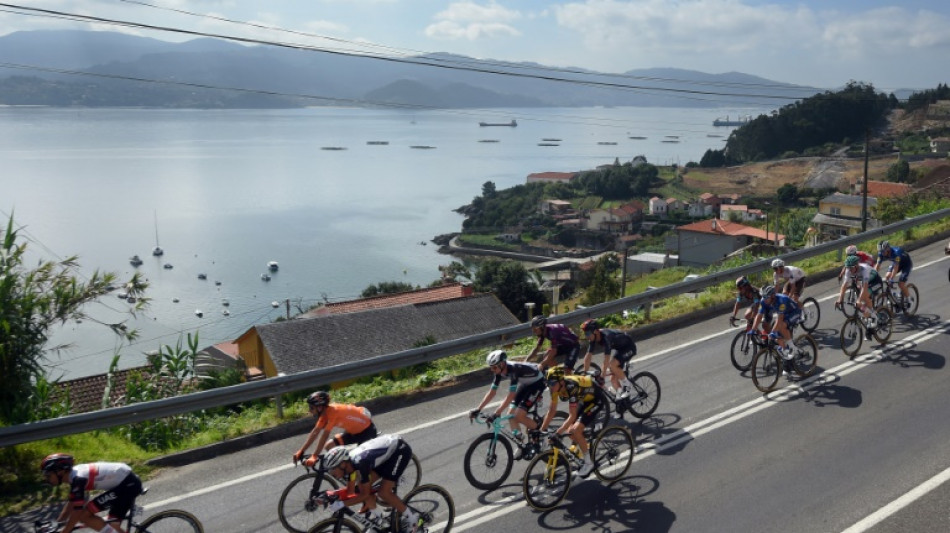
(280, 77)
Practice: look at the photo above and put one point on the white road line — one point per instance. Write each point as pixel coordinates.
(877, 517)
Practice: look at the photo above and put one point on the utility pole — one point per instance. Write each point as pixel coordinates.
(623, 275)
(864, 192)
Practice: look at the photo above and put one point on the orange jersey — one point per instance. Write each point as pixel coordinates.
(351, 418)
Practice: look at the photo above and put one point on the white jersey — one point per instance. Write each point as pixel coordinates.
(789, 273)
(865, 273)
(100, 476)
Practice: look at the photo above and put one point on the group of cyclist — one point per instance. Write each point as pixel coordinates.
(360, 455)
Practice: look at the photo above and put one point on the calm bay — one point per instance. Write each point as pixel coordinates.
(233, 189)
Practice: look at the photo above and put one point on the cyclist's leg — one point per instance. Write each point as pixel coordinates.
(390, 471)
(523, 401)
(616, 371)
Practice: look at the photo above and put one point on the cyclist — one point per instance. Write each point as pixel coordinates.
(901, 265)
(586, 401)
(871, 285)
(787, 314)
(563, 343)
(863, 257)
(792, 278)
(745, 293)
(618, 349)
(356, 422)
(119, 486)
(386, 457)
(525, 389)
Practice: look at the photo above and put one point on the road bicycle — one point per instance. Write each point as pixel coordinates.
(811, 314)
(892, 298)
(768, 364)
(168, 521)
(433, 504)
(642, 400)
(743, 346)
(490, 456)
(856, 329)
(298, 509)
(548, 476)
(849, 304)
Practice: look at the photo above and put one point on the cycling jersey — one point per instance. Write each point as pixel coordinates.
(119, 485)
(560, 336)
(616, 343)
(387, 455)
(782, 305)
(352, 419)
(901, 259)
(750, 295)
(519, 374)
(789, 273)
(865, 274)
(866, 258)
(578, 389)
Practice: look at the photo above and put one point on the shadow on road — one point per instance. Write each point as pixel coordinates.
(619, 506)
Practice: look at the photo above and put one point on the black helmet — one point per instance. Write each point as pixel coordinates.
(319, 398)
(539, 321)
(590, 325)
(56, 462)
(742, 282)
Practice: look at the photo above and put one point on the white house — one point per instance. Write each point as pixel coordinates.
(658, 206)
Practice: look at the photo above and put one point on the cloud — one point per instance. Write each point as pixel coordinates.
(471, 21)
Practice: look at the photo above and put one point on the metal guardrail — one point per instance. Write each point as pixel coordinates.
(309, 380)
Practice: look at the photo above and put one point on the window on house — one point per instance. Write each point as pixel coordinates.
(836, 211)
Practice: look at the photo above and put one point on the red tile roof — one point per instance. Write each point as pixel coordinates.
(725, 227)
(886, 189)
(433, 294)
(85, 394)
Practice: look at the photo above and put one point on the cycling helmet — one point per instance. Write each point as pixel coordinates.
(555, 373)
(767, 292)
(590, 325)
(335, 457)
(539, 321)
(319, 398)
(742, 282)
(851, 250)
(851, 261)
(883, 245)
(56, 462)
(496, 357)
(778, 263)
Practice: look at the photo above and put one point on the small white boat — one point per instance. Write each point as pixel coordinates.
(122, 295)
(135, 260)
(225, 312)
(198, 313)
(273, 266)
(157, 251)
(275, 303)
(265, 276)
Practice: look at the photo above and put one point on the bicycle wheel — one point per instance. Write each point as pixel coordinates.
(335, 525)
(645, 397)
(171, 521)
(295, 510)
(546, 481)
(766, 369)
(805, 361)
(912, 300)
(811, 314)
(850, 302)
(741, 352)
(852, 336)
(435, 507)
(885, 324)
(594, 368)
(488, 461)
(612, 453)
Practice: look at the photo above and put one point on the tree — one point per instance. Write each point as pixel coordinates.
(604, 285)
(787, 194)
(32, 303)
(488, 190)
(899, 171)
(386, 287)
(510, 282)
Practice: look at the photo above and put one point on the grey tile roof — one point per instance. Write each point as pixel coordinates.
(301, 345)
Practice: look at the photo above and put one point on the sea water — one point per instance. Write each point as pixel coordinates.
(224, 192)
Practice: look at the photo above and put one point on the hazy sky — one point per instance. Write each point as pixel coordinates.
(821, 43)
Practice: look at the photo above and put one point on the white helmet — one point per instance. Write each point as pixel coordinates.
(335, 457)
(778, 263)
(851, 250)
(496, 357)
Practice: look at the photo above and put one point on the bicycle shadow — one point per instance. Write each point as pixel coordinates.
(24, 521)
(832, 394)
(619, 506)
(656, 429)
(916, 359)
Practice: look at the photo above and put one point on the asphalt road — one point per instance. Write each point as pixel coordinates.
(836, 451)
